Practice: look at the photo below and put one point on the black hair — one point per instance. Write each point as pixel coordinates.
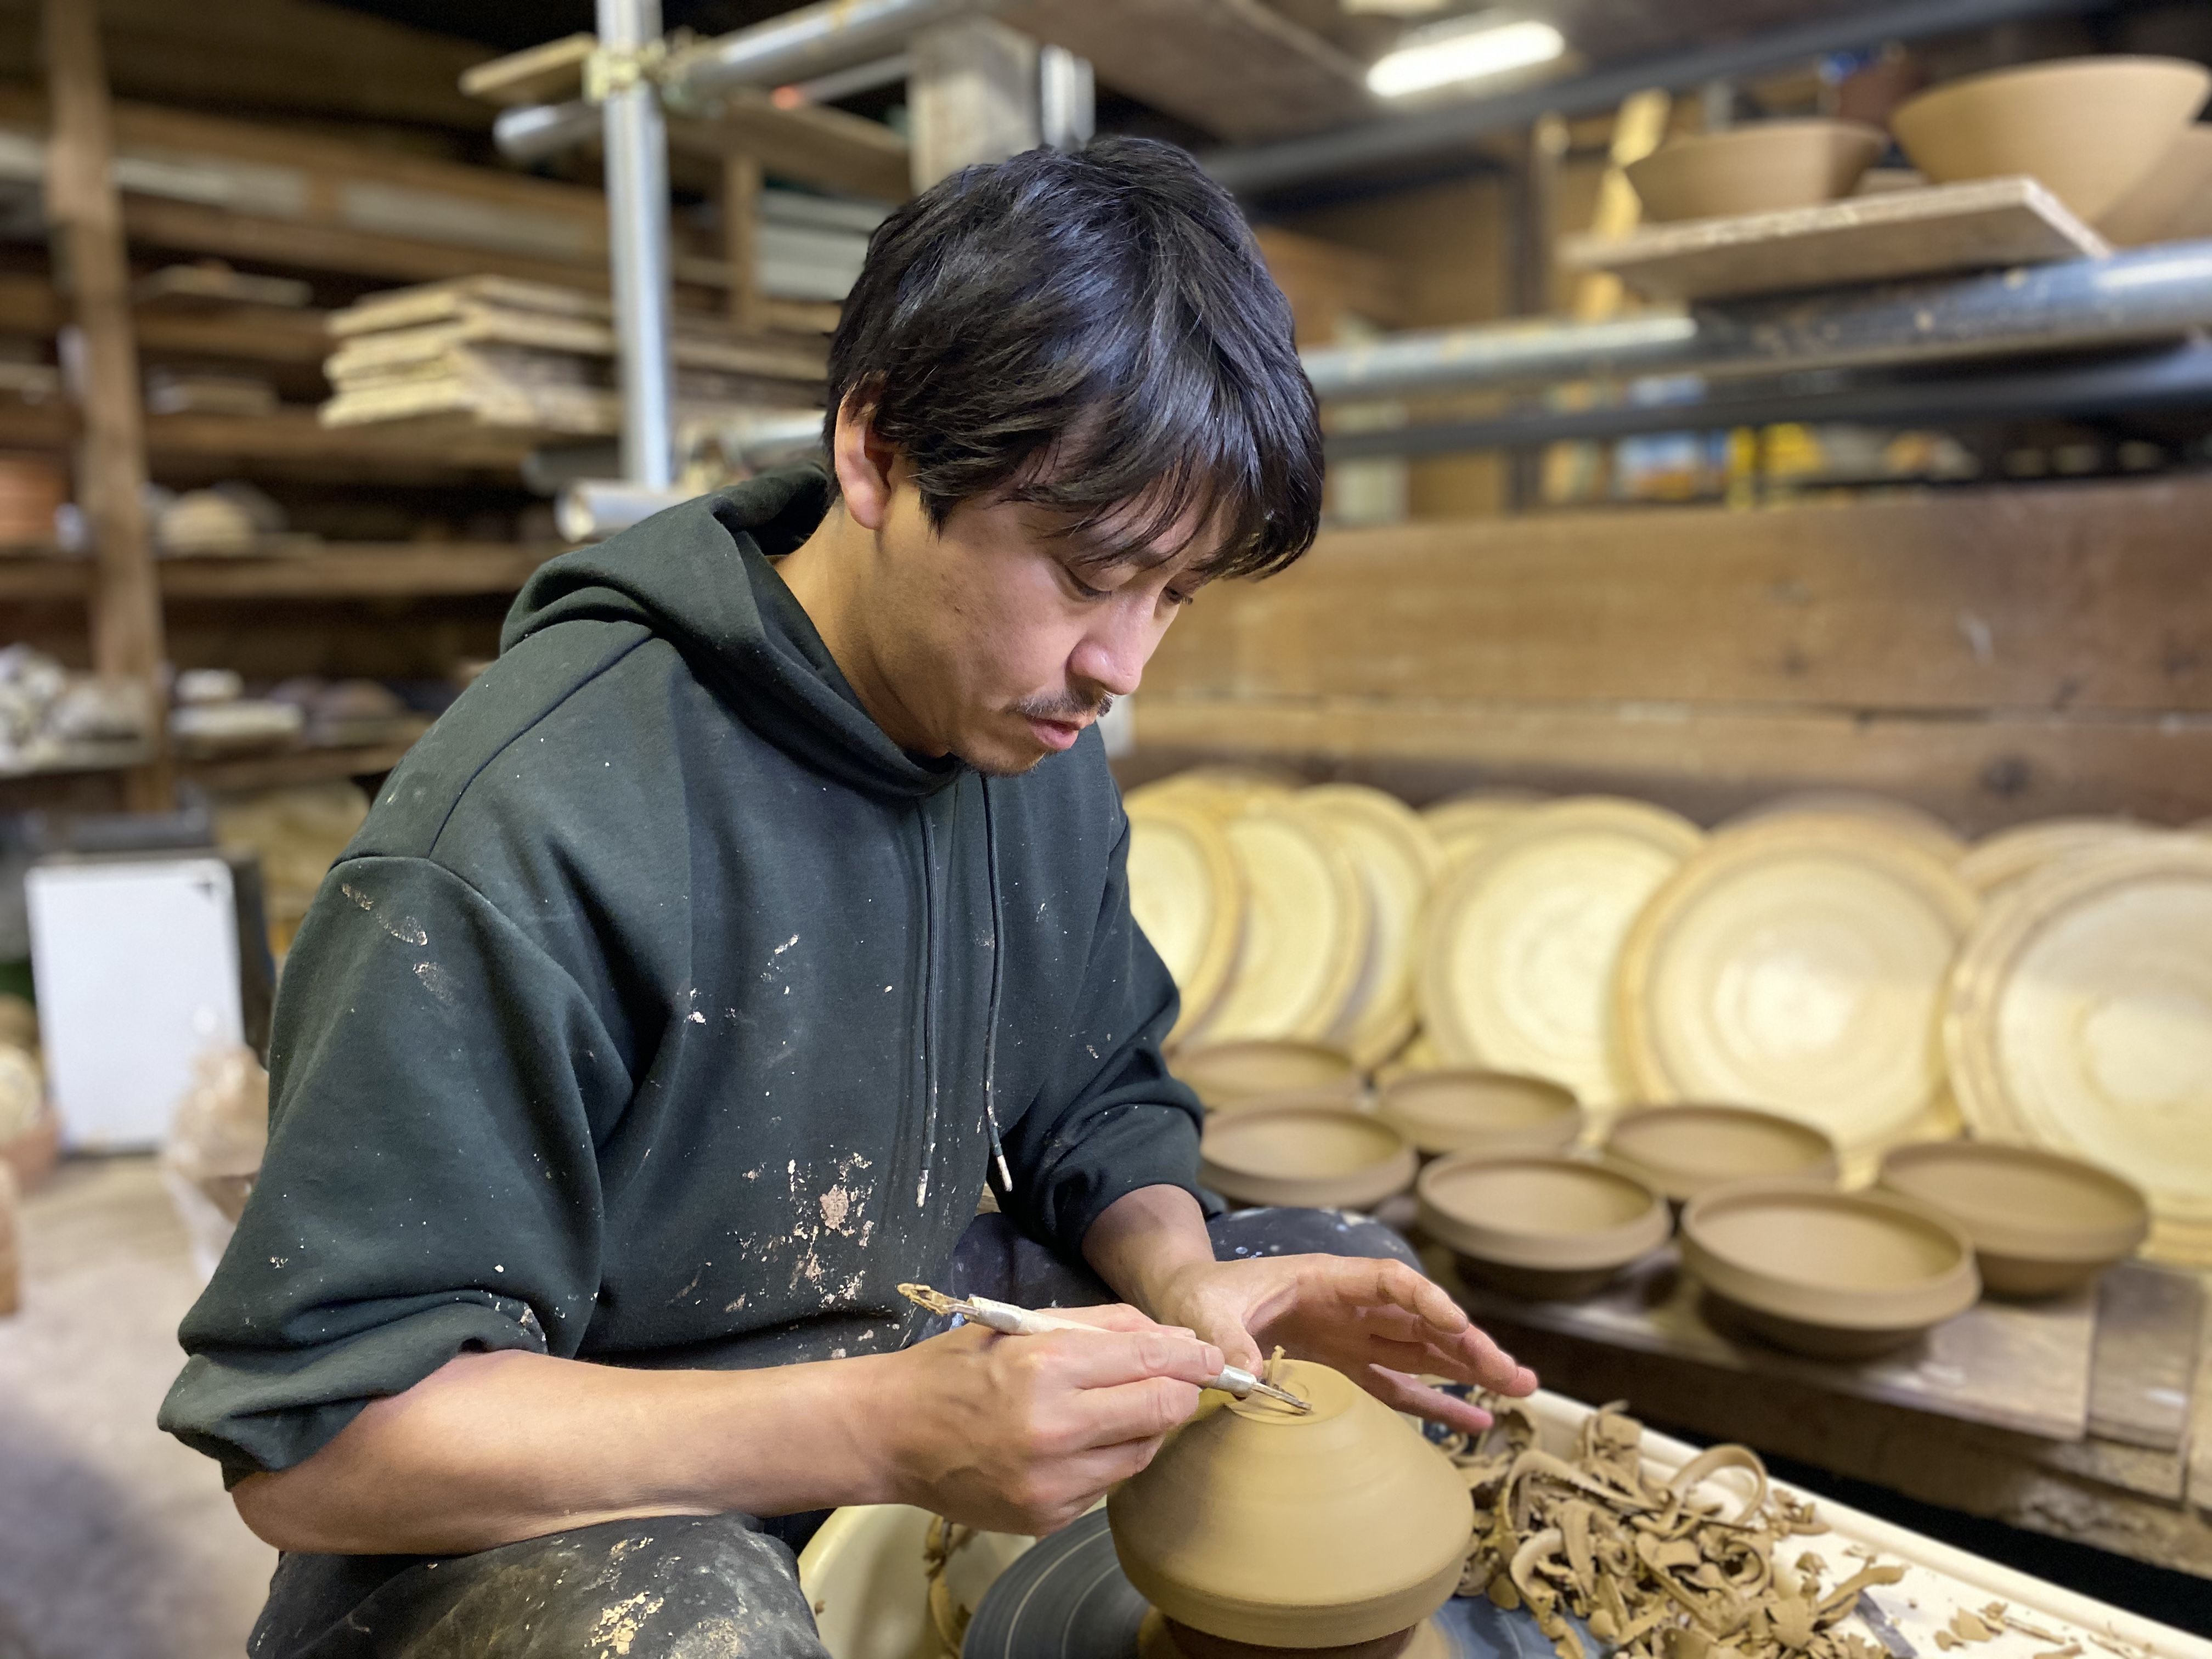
(1095, 333)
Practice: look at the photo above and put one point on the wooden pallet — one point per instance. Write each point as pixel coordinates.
(1929, 232)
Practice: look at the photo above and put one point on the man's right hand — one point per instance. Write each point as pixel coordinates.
(1024, 1433)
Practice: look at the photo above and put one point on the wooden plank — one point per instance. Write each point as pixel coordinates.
(295, 766)
(2149, 1324)
(971, 97)
(1237, 68)
(2013, 1365)
(272, 334)
(544, 74)
(87, 220)
(347, 570)
(1862, 239)
(741, 194)
(2074, 598)
(295, 56)
(1326, 281)
(813, 144)
(1979, 773)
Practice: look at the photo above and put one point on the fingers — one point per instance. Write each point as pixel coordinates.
(1118, 1316)
(1406, 1393)
(1104, 1359)
(1132, 1411)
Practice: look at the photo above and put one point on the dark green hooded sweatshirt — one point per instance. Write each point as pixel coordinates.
(652, 1016)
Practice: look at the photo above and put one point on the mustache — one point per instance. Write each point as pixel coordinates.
(1070, 709)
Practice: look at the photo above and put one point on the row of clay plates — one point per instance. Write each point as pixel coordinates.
(1844, 959)
(1283, 912)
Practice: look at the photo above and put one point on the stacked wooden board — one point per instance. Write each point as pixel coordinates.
(500, 351)
(1843, 959)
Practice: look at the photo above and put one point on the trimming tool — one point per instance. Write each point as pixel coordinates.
(1010, 1321)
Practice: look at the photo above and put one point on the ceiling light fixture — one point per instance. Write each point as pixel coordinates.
(1465, 50)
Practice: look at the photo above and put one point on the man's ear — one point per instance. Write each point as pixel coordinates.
(864, 462)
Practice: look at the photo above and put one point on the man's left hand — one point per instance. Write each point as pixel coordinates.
(1379, 1321)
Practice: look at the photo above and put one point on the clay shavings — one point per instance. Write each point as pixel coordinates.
(1652, 1570)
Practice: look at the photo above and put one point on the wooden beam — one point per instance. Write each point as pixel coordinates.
(1237, 68)
(1325, 281)
(972, 97)
(547, 73)
(345, 570)
(2054, 598)
(289, 57)
(741, 194)
(830, 148)
(1979, 773)
(95, 275)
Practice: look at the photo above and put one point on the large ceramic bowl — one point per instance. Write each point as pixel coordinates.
(1329, 1157)
(2041, 1222)
(1683, 1151)
(1469, 1110)
(1548, 1229)
(1760, 168)
(2174, 201)
(1836, 1275)
(1227, 1075)
(2091, 128)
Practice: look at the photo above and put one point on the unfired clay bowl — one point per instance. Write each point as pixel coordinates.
(1227, 1075)
(2174, 202)
(2091, 128)
(1499, 1114)
(2041, 1222)
(1836, 1275)
(1257, 1525)
(1327, 1156)
(1547, 1229)
(1762, 168)
(1684, 1150)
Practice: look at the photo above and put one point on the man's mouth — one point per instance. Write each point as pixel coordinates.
(1054, 734)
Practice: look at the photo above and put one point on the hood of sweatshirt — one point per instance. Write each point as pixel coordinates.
(750, 641)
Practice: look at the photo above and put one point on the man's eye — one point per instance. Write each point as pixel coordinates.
(1083, 590)
(1174, 598)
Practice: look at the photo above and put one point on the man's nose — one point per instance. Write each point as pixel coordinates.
(1112, 654)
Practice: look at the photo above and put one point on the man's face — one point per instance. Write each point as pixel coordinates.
(1002, 638)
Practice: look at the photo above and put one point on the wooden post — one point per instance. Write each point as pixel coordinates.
(973, 96)
(1529, 270)
(92, 270)
(741, 195)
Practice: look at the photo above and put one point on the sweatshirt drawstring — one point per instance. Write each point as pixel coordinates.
(998, 979)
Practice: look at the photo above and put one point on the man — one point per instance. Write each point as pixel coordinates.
(686, 978)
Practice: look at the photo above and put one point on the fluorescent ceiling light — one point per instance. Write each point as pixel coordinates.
(1445, 53)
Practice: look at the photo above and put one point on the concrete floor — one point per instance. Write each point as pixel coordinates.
(115, 1541)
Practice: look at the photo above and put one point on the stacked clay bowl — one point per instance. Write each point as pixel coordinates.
(1546, 1229)
(2174, 203)
(1319, 1156)
(2089, 128)
(1257, 1527)
(1683, 1151)
(1227, 1076)
(1765, 168)
(1497, 1113)
(2041, 1222)
(1835, 1275)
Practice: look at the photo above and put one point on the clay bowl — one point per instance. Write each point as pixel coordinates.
(1760, 168)
(1498, 1113)
(2091, 128)
(1322, 1156)
(1547, 1229)
(1684, 1150)
(2040, 1223)
(1836, 1275)
(1227, 1075)
(2174, 202)
(32, 1154)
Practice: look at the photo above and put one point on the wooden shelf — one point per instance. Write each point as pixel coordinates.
(349, 570)
(291, 766)
(292, 440)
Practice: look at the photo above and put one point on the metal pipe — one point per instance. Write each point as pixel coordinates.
(2178, 378)
(1451, 126)
(811, 42)
(2131, 298)
(637, 237)
(530, 133)
(846, 83)
(589, 509)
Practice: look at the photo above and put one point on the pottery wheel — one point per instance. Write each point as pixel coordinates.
(1067, 1599)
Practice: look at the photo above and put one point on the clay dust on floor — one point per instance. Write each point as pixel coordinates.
(116, 1542)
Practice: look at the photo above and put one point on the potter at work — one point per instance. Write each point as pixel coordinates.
(764, 900)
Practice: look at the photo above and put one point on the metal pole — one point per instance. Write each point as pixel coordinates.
(811, 42)
(2139, 296)
(637, 239)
